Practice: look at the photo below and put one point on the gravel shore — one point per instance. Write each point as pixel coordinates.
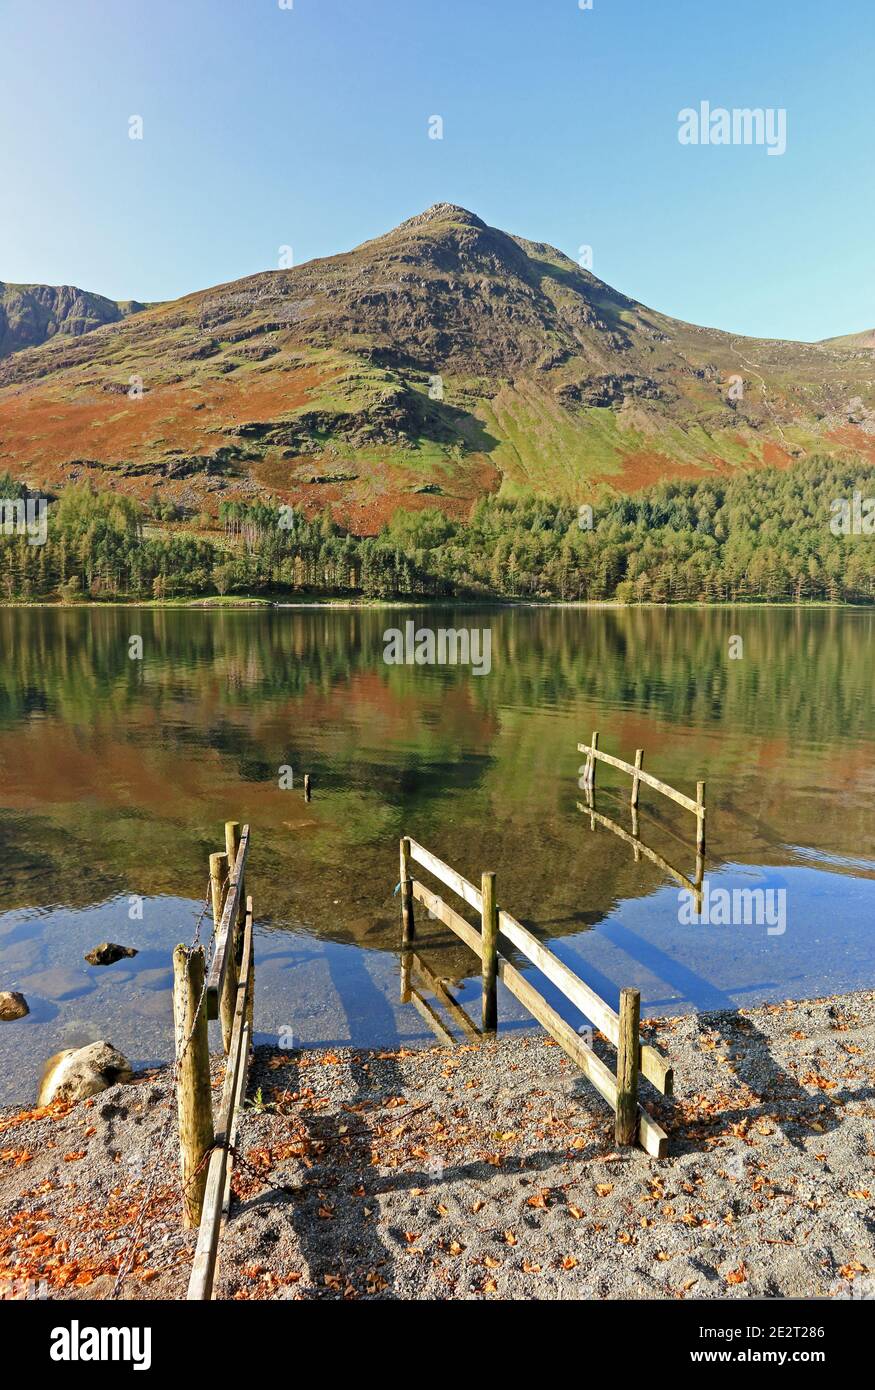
(488, 1170)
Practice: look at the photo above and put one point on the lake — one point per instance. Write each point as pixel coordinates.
(118, 771)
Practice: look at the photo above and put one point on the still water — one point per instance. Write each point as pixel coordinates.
(117, 773)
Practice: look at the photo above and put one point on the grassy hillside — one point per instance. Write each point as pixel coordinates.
(441, 363)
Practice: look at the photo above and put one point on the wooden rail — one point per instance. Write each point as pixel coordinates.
(621, 1029)
(636, 771)
(217, 1194)
(205, 1150)
(223, 968)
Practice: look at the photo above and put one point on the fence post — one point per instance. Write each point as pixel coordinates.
(228, 996)
(626, 1125)
(193, 1092)
(250, 984)
(592, 759)
(306, 786)
(700, 818)
(639, 760)
(218, 888)
(232, 845)
(489, 937)
(408, 927)
(218, 874)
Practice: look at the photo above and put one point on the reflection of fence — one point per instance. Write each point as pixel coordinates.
(621, 1029)
(636, 771)
(413, 966)
(694, 886)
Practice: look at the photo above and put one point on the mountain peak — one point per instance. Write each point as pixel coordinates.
(443, 212)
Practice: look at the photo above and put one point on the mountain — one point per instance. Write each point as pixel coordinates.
(427, 367)
(31, 314)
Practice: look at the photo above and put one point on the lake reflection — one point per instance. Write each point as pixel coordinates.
(116, 775)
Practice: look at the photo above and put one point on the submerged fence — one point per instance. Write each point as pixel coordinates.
(497, 926)
(636, 771)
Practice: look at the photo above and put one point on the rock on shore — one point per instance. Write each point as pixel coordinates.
(77, 1073)
(12, 1006)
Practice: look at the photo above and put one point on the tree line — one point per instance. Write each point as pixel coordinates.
(764, 535)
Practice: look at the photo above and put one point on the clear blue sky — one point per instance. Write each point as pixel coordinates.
(265, 127)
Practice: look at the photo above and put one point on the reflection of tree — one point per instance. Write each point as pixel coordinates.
(120, 772)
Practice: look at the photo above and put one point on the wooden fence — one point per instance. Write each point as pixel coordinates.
(636, 771)
(498, 927)
(227, 992)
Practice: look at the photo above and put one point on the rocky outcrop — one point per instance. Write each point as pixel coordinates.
(31, 314)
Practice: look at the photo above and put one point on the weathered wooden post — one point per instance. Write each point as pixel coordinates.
(636, 782)
(218, 888)
(306, 786)
(591, 759)
(232, 845)
(228, 993)
(408, 928)
(700, 817)
(250, 981)
(628, 1044)
(193, 1093)
(489, 936)
(218, 875)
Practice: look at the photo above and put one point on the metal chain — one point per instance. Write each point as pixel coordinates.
(242, 1162)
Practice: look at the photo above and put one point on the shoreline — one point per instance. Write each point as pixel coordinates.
(244, 602)
(486, 1170)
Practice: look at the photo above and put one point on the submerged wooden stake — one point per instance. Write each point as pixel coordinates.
(408, 929)
(700, 817)
(626, 1126)
(489, 933)
(636, 781)
(193, 1092)
(593, 759)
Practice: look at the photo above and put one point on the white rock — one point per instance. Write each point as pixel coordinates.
(83, 1071)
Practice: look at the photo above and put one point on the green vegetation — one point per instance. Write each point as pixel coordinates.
(763, 535)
